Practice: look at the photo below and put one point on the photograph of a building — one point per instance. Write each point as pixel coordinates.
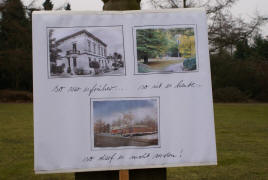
(125, 122)
(93, 51)
(165, 49)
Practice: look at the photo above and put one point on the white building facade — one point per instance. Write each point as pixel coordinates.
(83, 53)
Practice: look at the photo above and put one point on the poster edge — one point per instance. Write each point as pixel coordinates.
(144, 11)
(212, 163)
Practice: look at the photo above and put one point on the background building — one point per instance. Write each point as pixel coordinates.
(83, 53)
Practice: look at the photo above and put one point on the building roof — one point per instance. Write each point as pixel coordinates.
(116, 128)
(81, 32)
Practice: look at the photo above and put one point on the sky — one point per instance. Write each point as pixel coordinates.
(248, 8)
(111, 110)
(243, 8)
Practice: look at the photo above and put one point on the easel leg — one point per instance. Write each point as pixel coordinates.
(100, 175)
(137, 174)
(148, 174)
(124, 175)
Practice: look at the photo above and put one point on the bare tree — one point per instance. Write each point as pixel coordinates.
(224, 29)
(33, 6)
(211, 6)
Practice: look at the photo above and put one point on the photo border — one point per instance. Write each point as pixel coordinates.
(134, 39)
(122, 147)
(82, 76)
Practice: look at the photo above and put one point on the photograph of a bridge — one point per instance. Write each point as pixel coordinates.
(125, 122)
(85, 51)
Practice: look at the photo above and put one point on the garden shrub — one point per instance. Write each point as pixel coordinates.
(60, 69)
(189, 64)
(143, 68)
(15, 96)
(53, 68)
(229, 94)
(79, 71)
(68, 70)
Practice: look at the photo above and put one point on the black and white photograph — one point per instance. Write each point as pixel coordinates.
(85, 51)
(125, 122)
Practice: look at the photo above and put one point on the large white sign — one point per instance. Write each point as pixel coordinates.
(121, 90)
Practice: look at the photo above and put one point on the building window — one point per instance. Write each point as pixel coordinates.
(74, 47)
(94, 48)
(89, 46)
(69, 61)
(74, 61)
(89, 61)
(105, 53)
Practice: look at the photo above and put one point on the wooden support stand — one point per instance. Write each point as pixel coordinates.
(148, 174)
(99, 175)
(137, 174)
(123, 175)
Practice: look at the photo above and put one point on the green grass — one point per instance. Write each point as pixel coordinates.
(16, 144)
(242, 145)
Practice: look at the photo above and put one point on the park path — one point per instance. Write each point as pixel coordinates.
(174, 68)
(116, 141)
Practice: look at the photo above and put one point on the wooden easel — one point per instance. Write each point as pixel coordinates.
(136, 174)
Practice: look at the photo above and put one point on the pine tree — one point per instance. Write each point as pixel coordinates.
(13, 20)
(243, 50)
(260, 47)
(48, 5)
(150, 44)
(53, 49)
(15, 50)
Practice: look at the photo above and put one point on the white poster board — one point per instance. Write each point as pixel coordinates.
(121, 90)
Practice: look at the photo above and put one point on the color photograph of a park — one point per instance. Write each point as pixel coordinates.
(166, 50)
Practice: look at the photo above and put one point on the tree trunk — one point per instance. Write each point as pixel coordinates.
(145, 60)
(99, 175)
(184, 4)
(119, 5)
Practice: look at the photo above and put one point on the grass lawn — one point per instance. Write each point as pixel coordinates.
(242, 145)
(16, 144)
